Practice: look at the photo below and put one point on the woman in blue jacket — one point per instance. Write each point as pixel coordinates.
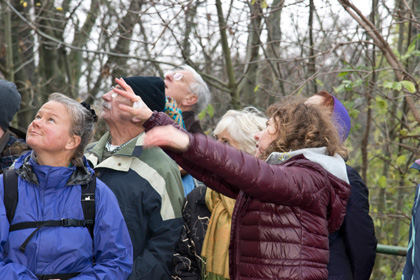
(49, 235)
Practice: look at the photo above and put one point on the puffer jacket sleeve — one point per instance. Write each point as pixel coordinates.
(12, 271)
(359, 230)
(112, 244)
(228, 170)
(160, 119)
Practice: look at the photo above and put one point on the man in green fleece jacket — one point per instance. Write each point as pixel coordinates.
(146, 182)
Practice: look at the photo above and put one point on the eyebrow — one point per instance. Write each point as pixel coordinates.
(50, 114)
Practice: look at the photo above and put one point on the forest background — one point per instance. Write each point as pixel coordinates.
(250, 52)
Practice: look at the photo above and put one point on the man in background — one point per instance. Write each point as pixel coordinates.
(353, 246)
(191, 94)
(12, 140)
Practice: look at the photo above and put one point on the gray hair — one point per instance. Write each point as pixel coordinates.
(242, 126)
(199, 88)
(82, 123)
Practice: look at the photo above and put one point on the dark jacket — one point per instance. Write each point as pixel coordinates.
(353, 246)
(187, 256)
(284, 211)
(412, 264)
(148, 187)
(12, 145)
(192, 124)
(54, 193)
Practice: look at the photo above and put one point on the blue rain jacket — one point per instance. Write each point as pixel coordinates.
(53, 193)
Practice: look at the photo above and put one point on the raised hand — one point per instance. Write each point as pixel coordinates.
(139, 110)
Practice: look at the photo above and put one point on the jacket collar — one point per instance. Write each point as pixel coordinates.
(132, 149)
(333, 164)
(26, 164)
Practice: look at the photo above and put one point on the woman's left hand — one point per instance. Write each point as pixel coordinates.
(139, 110)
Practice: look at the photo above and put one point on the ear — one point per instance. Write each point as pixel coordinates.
(189, 100)
(73, 142)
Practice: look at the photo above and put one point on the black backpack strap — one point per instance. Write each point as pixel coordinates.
(51, 223)
(61, 276)
(88, 204)
(10, 185)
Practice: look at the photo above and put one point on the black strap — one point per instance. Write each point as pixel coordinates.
(11, 199)
(61, 276)
(88, 204)
(51, 223)
(10, 186)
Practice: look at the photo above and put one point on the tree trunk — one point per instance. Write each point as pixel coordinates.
(312, 61)
(233, 88)
(116, 66)
(80, 39)
(249, 81)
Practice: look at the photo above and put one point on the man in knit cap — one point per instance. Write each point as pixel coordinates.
(353, 246)
(146, 182)
(11, 145)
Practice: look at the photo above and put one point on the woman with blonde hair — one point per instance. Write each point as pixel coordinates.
(66, 223)
(288, 198)
(207, 214)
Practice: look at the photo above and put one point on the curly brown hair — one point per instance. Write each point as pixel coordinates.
(301, 126)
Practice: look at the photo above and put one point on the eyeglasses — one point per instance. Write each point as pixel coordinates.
(175, 75)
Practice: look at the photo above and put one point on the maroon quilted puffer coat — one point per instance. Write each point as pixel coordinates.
(283, 212)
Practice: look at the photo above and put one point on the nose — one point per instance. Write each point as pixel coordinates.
(36, 122)
(107, 96)
(257, 136)
(169, 76)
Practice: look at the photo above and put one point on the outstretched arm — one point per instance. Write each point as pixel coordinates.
(234, 169)
(223, 167)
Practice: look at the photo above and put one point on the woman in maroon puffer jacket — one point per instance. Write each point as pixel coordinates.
(286, 204)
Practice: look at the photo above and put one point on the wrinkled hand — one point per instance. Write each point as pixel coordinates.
(139, 110)
(168, 137)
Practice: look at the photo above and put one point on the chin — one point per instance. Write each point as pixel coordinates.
(29, 141)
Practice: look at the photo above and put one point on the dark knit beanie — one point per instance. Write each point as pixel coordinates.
(9, 103)
(150, 89)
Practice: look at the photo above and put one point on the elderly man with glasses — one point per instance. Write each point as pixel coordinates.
(191, 94)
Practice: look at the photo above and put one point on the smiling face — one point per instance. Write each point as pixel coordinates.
(265, 137)
(49, 132)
